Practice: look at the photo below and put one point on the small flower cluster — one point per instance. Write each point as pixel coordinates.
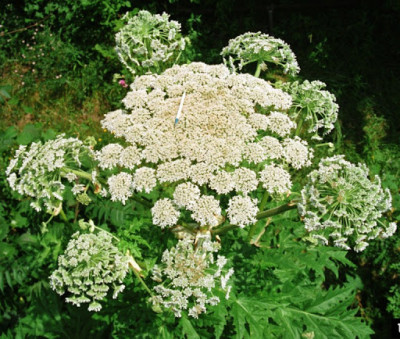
(149, 42)
(90, 267)
(313, 105)
(341, 202)
(191, 276)
(219, 133)
(38, 171)
(259, 48)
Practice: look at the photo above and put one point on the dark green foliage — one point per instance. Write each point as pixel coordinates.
(285, 288)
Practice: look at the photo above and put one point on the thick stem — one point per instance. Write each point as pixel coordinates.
(299, 125)
(258, 70)
(81, 174)
(63, 216)
(142, 201)
(142, 281)
(103, 230)
(277, 210)
(263, 201)
(223, 229)
(260, 215)
(136, 270)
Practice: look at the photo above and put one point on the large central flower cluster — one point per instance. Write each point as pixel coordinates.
(200, 125)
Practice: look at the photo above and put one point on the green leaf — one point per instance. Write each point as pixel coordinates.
(27, 109)
(49, 134)
(7, 251)
(188, 328)
(246, 311)
(29, 134)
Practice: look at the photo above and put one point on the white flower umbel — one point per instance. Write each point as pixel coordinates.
(245, 180)
(222, 182)
(41, 171)
(272, 147)
(144, 179)
(297, 153)
(190, 275)
(280, 124)
(275, 180)
(164, 213)
(109, 155)
(149, 42)
(186, 195)
(313, 106)
(120, 187)
(130, 157)
(90, 267)
(206, 211)
(340, 201)
(261, 49)
(242, 211)
(228, 127)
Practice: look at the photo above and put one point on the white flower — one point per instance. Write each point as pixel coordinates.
(120, 187)
(272, 147)
(206, 211)
(245, 180)
(189, 276)
(164, 213)
(173, 171)
(109, 156)
(340, 199)
(275, 179)
(186, 195)
(130, 157)
(144, 179)
(261, 48)
(280, 124)
(148, 41)
(296, 152)
(222, 182)
(242, 211)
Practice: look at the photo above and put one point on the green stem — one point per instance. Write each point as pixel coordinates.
(135, 271)
(260, 215)
(277, 210)
(143, 283)
(81, 174)
(224, 229)
(103, 230)
(263, 201)
(258, 70)
(299, 125)
(63, 216)
(253, 227)
(142, 201)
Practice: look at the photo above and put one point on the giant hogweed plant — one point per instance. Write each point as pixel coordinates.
(243, 222)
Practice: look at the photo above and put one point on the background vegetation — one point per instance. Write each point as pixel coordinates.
(57, 75)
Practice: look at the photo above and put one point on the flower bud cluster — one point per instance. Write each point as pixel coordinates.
(149, 42)
(90, 267)
(259, 48)
(202, 126)
(41, 170)
(341, 202)
(191, 276)
(314, 105)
